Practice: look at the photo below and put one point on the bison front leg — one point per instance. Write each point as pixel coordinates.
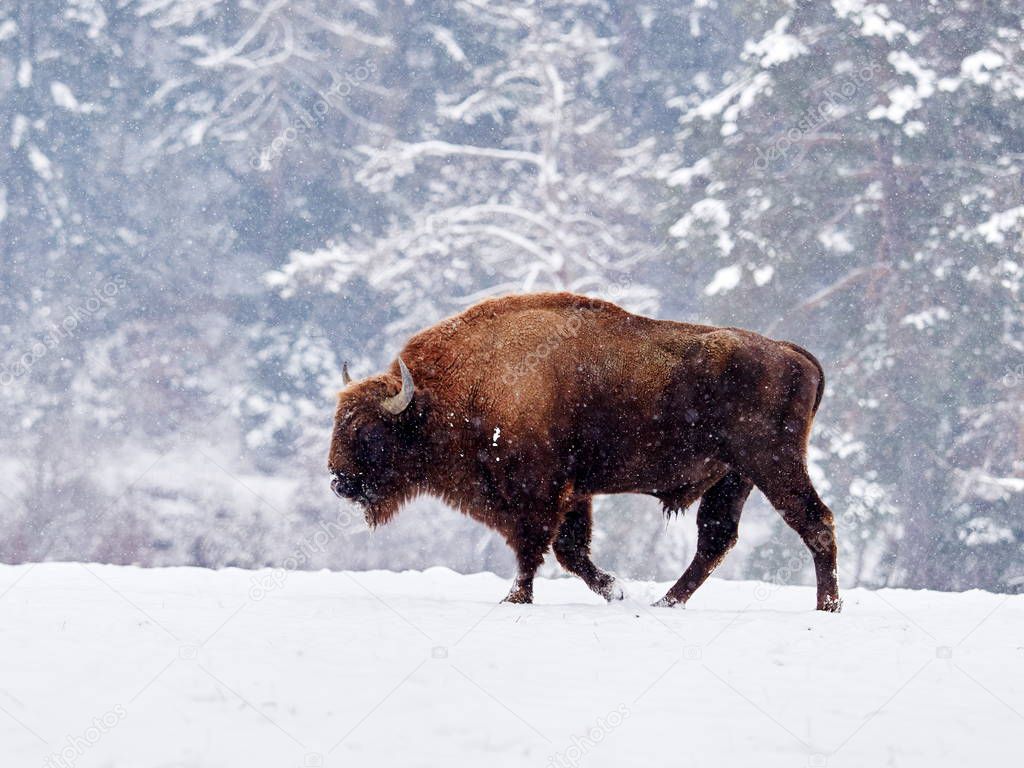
(572, 548)
(718, 520)
(530, 539)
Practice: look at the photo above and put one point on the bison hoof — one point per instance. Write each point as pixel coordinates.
(830, 604)
(613, 591)
(518, 597)
(668, 602)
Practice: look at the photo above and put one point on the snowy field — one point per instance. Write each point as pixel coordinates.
(121, 667)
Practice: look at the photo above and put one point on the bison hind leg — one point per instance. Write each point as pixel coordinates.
(789, 489)
(718, 520)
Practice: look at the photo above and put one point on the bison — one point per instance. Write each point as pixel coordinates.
(520, 409)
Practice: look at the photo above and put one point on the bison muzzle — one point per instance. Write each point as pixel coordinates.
(520, 409)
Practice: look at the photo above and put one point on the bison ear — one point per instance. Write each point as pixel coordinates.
(398, 403)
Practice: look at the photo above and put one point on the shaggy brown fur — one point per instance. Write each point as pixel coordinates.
(527, 406)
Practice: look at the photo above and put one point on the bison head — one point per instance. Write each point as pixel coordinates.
(374, 444)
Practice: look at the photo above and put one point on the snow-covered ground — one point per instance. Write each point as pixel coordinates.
(110, 666)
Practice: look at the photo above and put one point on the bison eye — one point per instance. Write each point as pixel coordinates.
(372, 443)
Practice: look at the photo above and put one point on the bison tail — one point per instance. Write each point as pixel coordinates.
(821, 373)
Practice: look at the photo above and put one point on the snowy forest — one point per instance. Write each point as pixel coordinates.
(207, 206)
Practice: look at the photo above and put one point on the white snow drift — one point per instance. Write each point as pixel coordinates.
(109, 666)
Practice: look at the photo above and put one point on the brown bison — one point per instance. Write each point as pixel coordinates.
(520, 409)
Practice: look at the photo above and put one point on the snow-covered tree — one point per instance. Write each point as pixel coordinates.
(854, 184)
(261, 189)
(516, 179)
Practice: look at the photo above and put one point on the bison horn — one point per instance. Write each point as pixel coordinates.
(395, 405)
(344, 374)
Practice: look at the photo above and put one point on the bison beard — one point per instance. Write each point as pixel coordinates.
(521, 409)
